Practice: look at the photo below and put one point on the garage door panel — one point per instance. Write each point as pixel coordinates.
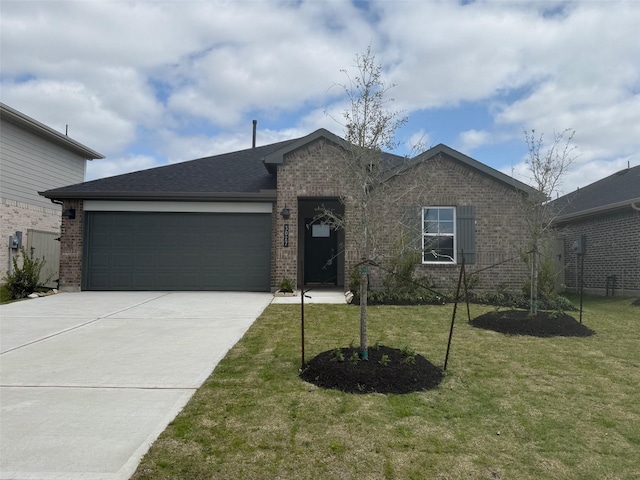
(170, 251)
(124, 279)
(122, 260)
(100, 280)
(145, 260)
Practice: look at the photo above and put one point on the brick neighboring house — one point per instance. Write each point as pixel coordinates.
(607, 214)
(245, 220)
(34, 157)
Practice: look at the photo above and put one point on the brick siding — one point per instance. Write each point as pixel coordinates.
(613, 248)
(71, 248)
(499, 227)
(306, 173)
(19, 216)
(313, 172)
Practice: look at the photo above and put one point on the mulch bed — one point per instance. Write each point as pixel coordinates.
(545, 324)
(371, 376)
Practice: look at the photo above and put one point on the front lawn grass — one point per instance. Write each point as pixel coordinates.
(509, 407)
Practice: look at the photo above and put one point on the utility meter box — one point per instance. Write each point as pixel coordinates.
(580, 246)
(15, 240)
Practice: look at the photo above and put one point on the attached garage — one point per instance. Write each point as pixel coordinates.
(177, 250)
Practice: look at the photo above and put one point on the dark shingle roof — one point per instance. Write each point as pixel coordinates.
(245, 174)
(236, 173)
(618, 190)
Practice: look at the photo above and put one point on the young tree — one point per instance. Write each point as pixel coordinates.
(369, 129)
(547, 167)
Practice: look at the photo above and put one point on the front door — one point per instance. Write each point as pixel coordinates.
(320, 254)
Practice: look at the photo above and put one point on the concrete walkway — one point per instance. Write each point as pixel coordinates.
(315, 295)
(89, 380)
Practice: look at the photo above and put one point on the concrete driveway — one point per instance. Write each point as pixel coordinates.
(89, 380)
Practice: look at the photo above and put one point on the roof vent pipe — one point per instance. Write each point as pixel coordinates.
(255, 125)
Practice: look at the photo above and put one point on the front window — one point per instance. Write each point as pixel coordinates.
(439, 235)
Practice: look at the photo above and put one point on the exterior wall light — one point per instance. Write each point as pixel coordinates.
(70, 213)
(285, 213)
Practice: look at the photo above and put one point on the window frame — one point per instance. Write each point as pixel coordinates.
(453, 235)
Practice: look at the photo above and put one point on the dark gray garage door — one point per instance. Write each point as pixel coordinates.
(176, 251)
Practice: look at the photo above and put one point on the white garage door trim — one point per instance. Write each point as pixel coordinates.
(179, 207)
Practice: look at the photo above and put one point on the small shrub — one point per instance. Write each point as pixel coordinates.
(354, 358)
(286, 285)
(400, 278)
(409, 354)
(25, 279)
(410, 360)
(354, 279)
(384, 360)
(382, 297)
(338, 356)
(509, 299)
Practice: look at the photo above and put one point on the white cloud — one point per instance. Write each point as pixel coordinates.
(59, 104)
(181, 80)
(116, 166)
(472, 139)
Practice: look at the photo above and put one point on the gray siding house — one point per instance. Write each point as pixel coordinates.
(245, 220)
(606, 214)
(34, 157)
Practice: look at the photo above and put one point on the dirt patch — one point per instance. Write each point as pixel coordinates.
(386, 371)
(545, 324)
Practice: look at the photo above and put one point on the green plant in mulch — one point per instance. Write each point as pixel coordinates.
(338, 356)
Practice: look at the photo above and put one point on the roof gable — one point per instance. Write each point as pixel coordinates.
(276, 157)
(472, 164)
(24, 121)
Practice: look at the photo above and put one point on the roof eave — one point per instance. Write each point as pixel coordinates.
(14, 116)
(476, 165)
(598, 210)
(262, 195)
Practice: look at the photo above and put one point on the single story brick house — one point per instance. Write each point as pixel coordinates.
(246, 220)
(606, 214)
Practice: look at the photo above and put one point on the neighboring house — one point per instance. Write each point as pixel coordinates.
(245, 220)
(34, 157)
(606, 214)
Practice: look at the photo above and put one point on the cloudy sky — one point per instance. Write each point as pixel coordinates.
(156, 82)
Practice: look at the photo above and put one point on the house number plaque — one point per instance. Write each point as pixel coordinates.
(285, 237)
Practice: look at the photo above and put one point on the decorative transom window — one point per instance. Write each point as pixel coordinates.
(439, 235)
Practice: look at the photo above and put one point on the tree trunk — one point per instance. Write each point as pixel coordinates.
(364, 281)
(533, 310)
